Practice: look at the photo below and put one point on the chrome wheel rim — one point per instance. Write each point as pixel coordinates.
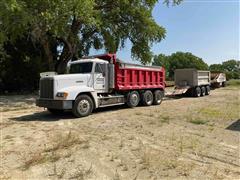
(83, 106)
(149, 98)
(158, 97)
(134, 99)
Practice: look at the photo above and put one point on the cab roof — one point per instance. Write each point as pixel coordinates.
(88, 60)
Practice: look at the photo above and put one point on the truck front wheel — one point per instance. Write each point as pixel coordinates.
(158, 97)
(133, 99)
(83, 106)
(147, 98)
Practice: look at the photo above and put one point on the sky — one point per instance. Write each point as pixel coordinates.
(207, 28)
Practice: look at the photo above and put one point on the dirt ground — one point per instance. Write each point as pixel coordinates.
(183, 138)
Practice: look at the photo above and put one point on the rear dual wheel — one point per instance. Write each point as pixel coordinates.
(158, 97)
(147, 98)
(133, 99)
(207, 90)
(203, 91)
(197, 92)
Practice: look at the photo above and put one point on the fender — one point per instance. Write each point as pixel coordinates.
(74, 91)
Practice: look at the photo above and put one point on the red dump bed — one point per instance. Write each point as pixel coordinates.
(132, 76)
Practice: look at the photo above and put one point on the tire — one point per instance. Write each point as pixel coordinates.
(197, 92)
(147, 98)
(158, 97)
(224, 84)
(83, 106)
(208, 90)
(55, 111)
(203, 91)
(133, 99)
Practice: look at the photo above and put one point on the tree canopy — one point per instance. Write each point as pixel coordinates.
(179, 60)
(67, 29)
(230, 67)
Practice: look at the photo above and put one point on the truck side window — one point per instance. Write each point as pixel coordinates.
(99, 68)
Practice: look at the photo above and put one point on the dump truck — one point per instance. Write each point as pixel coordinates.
(192, 82)
(218, 79)
(100, 81)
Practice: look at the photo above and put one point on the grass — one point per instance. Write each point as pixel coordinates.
(233, 82)
(61, 141)
(51, 154)
(165, 119)
(139, 113)
(211, 112)
(40, 158)
(198, 121)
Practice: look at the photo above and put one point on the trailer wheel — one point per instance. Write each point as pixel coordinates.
(133, 99)
(55, 111)
(197, 92)
(83, 106)
(207, 90)
(223, 84)
(147, 98)
(158, 96)
(203, 91)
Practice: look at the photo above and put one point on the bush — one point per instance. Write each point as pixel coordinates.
(233, 82)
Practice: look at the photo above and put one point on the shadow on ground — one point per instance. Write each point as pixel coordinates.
(48, 117)
(44, 116)
(235, 126)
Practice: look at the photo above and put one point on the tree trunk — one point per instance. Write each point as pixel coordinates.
(48, 54)
(70, 47)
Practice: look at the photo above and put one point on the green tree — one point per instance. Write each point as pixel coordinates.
(20, 71)
(180, 60)
(162, 60)
(216, 67)
(231, 65)
(79, 25)
(232, 69)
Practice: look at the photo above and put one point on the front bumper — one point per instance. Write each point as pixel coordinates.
(54, 104)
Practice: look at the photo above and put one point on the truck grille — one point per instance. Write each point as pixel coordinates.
(46, 88)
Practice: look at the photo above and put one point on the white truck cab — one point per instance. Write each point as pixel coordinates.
(86, 76)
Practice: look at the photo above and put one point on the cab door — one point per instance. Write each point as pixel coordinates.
(100, 77)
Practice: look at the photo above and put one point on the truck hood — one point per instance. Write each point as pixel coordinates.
(69, 80)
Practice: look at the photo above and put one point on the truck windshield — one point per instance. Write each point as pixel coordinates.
(81, 68)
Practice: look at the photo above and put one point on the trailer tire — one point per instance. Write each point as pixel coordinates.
(197, 92)
(55, 111)
(147, 98)
(133, 99)
(203, 91)
(208, 90)
(83, 106)
(158, 97)
(223, 84)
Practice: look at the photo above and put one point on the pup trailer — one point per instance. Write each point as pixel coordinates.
(101, 81)
(218, 79)
(192, 82)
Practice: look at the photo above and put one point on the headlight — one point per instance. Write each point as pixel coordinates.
(62, 94)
